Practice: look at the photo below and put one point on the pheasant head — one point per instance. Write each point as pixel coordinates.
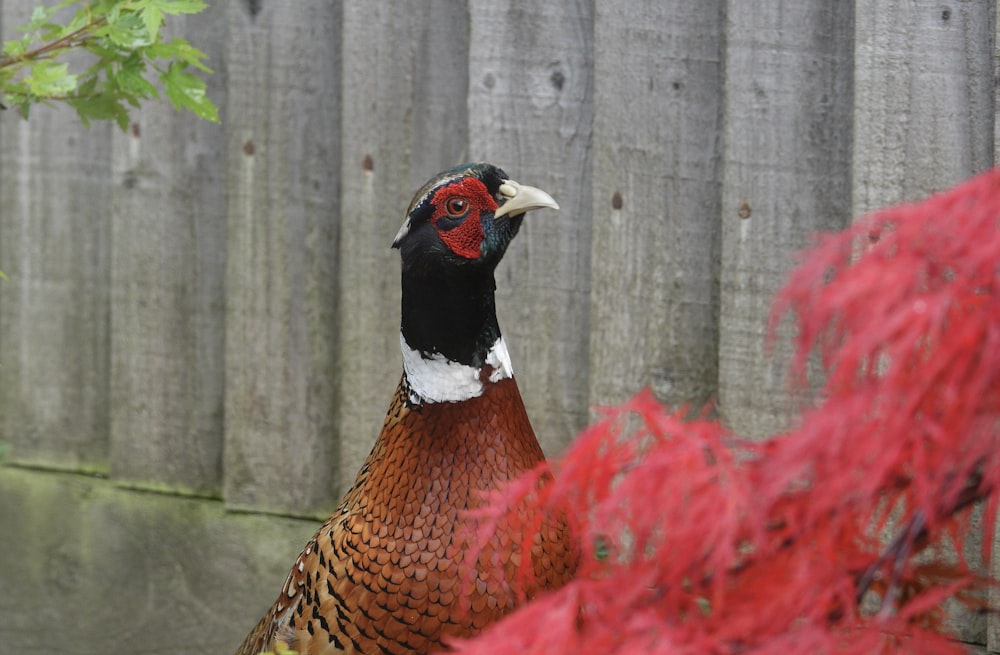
(456, 231)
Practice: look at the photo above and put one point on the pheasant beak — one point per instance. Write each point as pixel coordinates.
(522, 198)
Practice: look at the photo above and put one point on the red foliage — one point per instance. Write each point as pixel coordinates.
(694, 541)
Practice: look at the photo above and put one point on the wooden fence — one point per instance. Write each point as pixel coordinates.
(212, 310)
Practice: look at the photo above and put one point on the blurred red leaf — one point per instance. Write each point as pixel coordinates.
(695, 541)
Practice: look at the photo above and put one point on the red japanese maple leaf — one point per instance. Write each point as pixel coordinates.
(696, 541)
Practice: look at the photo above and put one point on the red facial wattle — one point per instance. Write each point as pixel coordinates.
(458, 208)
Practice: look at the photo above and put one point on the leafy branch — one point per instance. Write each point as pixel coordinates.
(123, 39)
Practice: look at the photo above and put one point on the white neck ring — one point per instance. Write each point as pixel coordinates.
(436, 379)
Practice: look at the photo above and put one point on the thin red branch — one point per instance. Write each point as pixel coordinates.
(914, 535)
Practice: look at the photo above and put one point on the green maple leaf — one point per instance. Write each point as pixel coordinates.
(187, 91)
(49, 78)
(122, 39)
(100, 107)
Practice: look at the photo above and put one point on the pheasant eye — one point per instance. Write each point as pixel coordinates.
(456, 206)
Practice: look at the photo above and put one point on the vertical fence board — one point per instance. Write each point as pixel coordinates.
(54, 308)
(530, 112)
(924, 117)
(992, 113)
(404, 121)
(167, 276)
(282, 143)
(993, 116)
(786, 174)
(656, 200)
(923, 109)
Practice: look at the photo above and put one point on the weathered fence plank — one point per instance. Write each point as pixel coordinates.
(530, 112)
(656, 200)
(786, 174)
(282, 147)
(993, 622)
(54, 308)
(401, 126)
(167, 282)
(924, 95)
(923, 117)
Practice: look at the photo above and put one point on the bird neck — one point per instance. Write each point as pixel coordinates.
(449, 335)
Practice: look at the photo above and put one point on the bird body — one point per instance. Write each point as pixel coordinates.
(398, 567)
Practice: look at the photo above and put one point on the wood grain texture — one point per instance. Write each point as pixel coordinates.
(54, 236)
(924, 98)
(282, 153)
(924, 120)
(786, 165)
(993, 621)
(167, 288)
(530, 113)
(404, 120)
(654, 295)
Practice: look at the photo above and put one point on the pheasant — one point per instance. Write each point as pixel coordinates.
(394, 569)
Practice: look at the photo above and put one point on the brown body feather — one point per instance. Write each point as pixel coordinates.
(390, 571)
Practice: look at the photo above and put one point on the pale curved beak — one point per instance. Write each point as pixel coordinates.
(522, 198)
